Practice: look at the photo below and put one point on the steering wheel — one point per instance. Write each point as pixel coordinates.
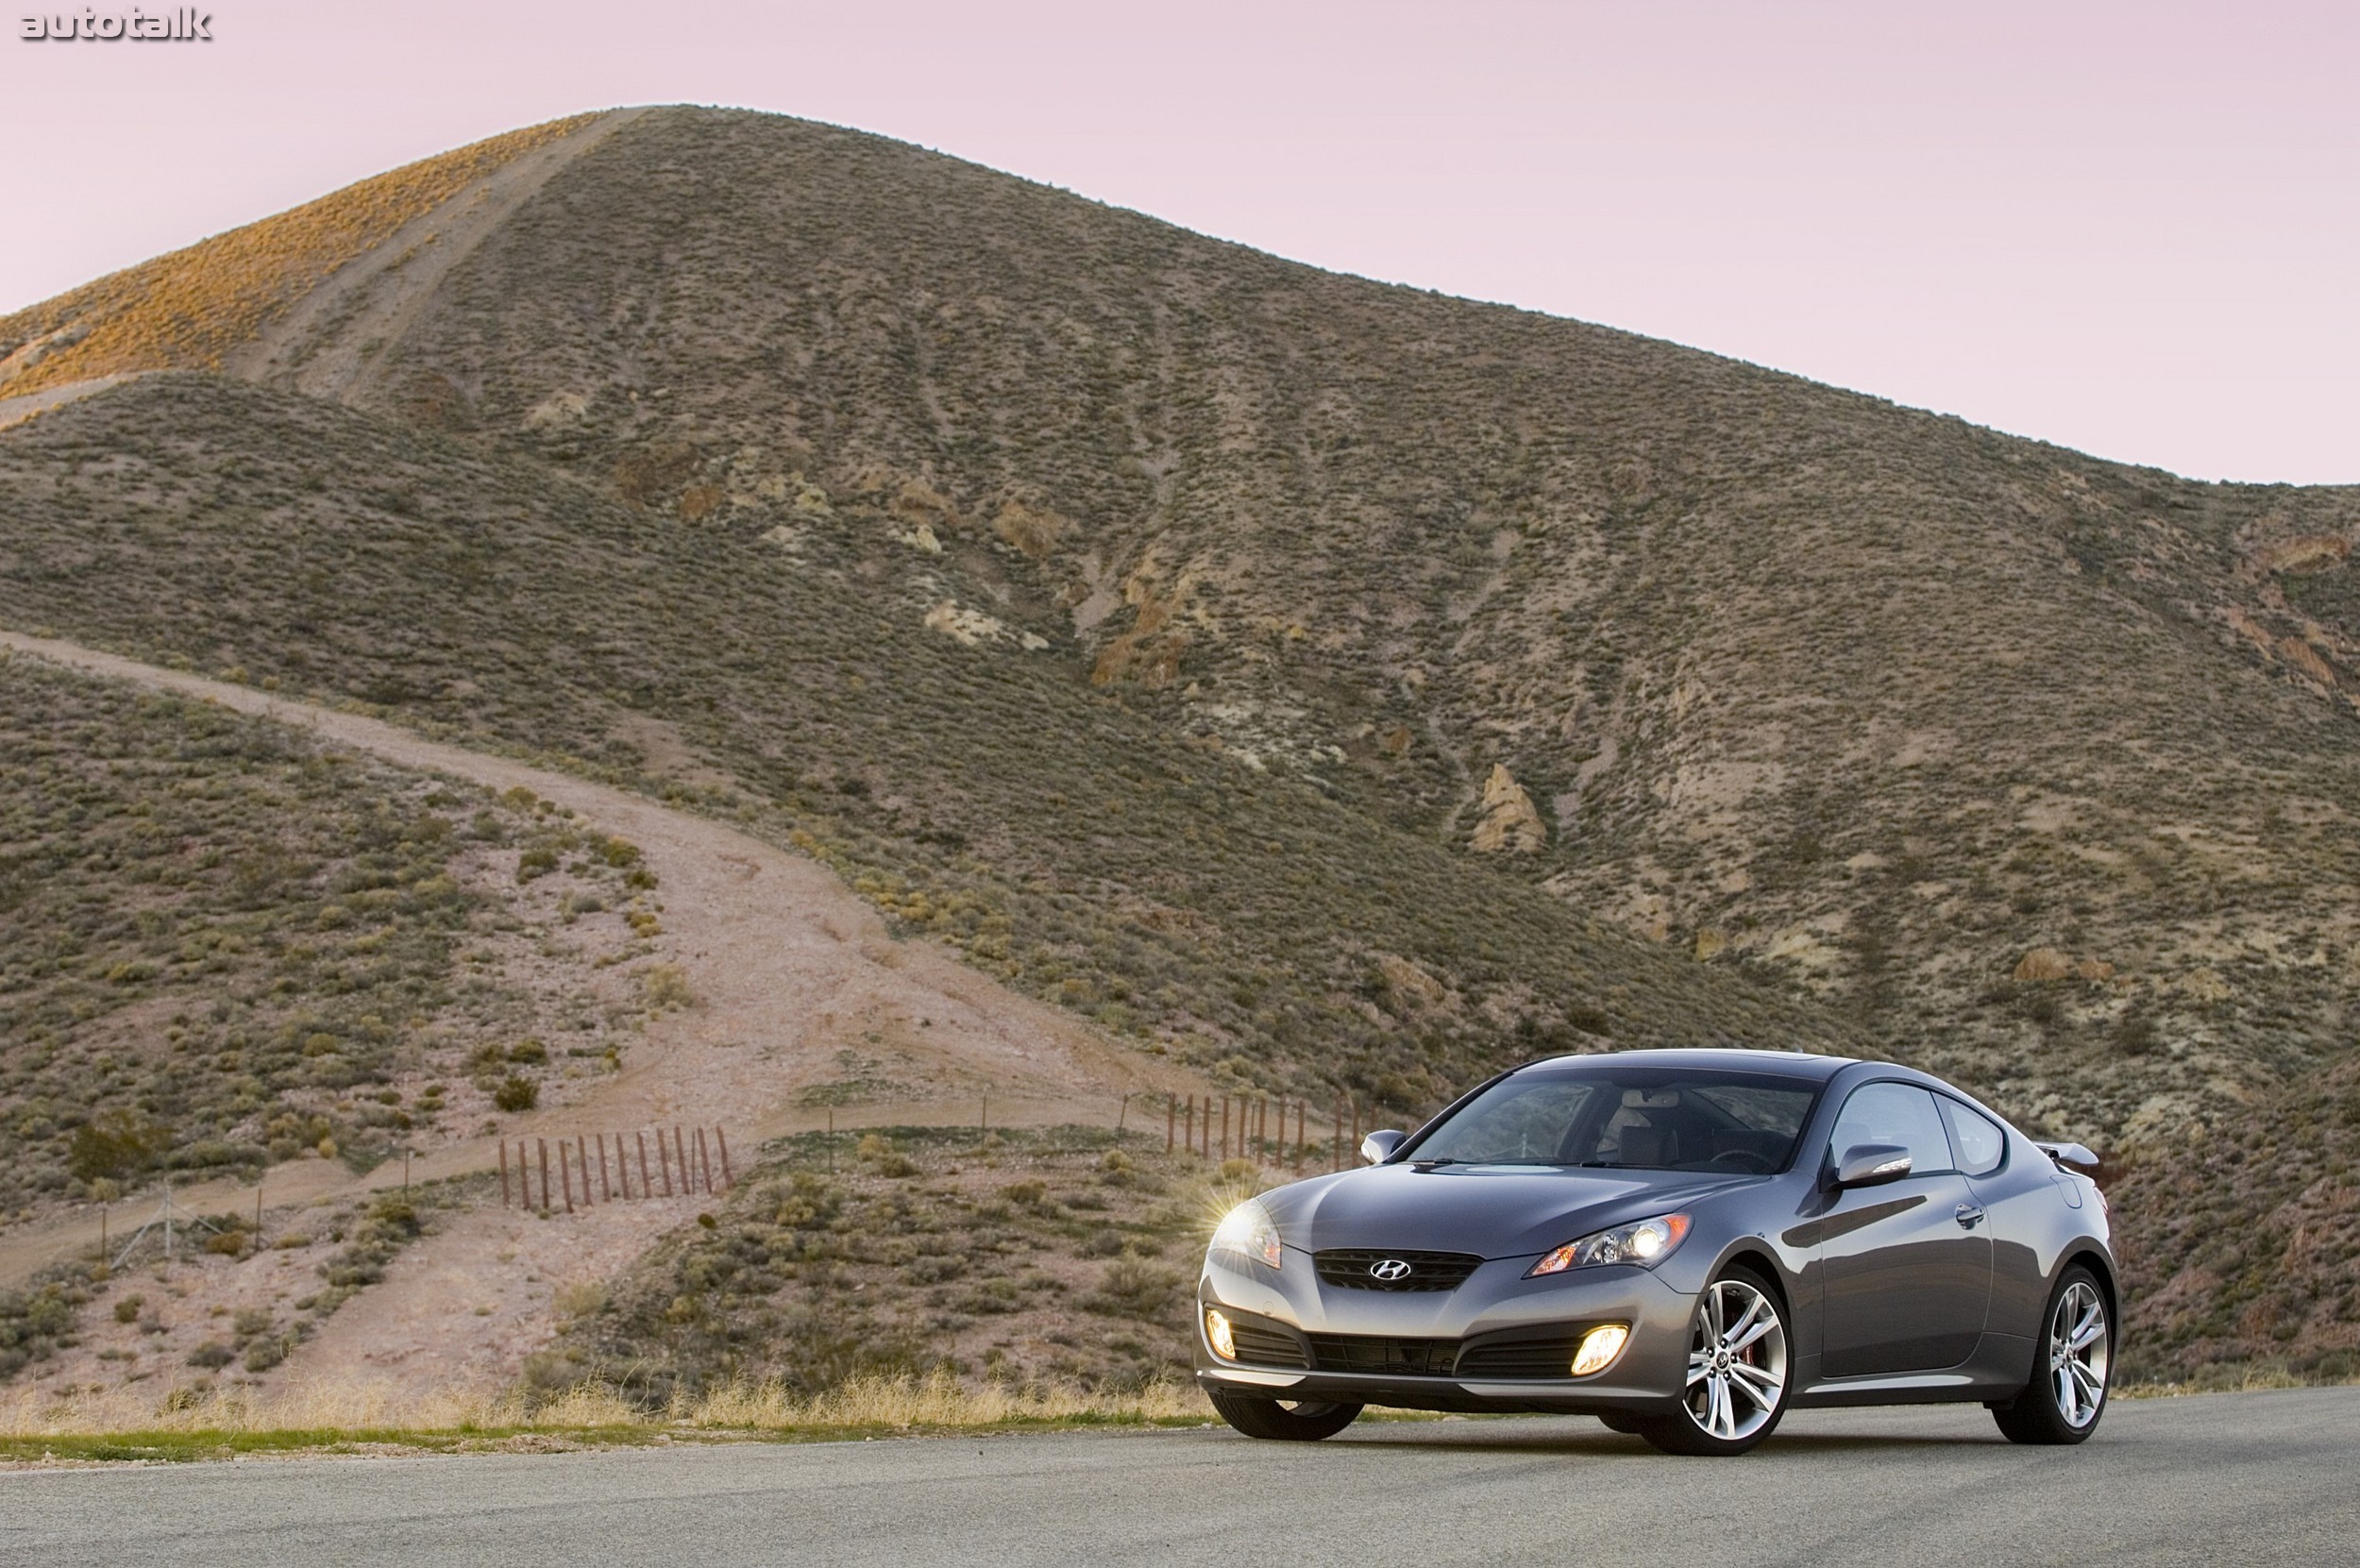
(1748, 1161)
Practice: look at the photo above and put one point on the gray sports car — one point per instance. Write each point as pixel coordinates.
(1683, 1243)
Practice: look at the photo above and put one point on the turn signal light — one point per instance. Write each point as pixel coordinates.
(1598, 1349)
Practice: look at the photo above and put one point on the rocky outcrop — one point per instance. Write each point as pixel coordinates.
(1509, 822)
(2043, 964)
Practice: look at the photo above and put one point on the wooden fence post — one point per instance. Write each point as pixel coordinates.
(647, 1187)
(503, 1172)
(663, 1162)
(704, 1163)
(606, 1188)
(1171, 1117)
(545, 1173)
(727, 1181)
(1302, 1108)
(1188, 1142)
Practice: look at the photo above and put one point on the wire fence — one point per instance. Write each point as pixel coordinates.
(1255, 1127)
(578, 1169)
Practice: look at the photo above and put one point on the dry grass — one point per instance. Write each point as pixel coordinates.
(188, 309)
(933, 1403)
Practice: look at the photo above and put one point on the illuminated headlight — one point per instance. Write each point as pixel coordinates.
(1598, 1349)
(1646, 1242)
(1217, 1334)
(1248, 1231)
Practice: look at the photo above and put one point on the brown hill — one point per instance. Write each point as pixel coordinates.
(1239, 652)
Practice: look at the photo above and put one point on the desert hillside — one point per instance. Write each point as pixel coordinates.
(1309, 685)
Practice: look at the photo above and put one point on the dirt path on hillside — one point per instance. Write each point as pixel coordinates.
(794, 977)
(333, 343)
(15, 411)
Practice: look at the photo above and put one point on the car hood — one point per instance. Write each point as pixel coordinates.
(1494, 1210)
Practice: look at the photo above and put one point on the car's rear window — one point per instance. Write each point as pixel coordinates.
(1659, 1119)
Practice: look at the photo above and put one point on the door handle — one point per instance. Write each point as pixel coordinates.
(1968, 1215)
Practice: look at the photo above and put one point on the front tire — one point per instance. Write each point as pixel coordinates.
(2067, 1394)
(1737, 1368)
(1295, 1421)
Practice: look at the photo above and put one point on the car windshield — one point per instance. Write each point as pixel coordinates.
(1657, 1119)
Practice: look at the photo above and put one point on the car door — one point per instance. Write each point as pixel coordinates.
(1904, 1267)
(2021, 1199)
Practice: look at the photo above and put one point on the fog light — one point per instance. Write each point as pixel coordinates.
(1226, 1344)
(1598, 1348)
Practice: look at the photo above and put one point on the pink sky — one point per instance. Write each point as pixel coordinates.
(2131, 228)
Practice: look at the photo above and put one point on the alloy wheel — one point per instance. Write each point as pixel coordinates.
(2080, 1350)
(1736, 1361)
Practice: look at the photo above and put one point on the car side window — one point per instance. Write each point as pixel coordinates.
(1980, 1145)
(1901, 1114)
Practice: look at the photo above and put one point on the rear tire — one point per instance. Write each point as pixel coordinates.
(1737, 1369)
(2067, 1394)
(1296, 1420)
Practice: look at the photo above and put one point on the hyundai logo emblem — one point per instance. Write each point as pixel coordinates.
(1389, 1270)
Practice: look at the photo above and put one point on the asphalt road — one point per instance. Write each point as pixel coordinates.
(2229, 1478)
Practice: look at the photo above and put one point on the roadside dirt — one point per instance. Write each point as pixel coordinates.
(802, 1000)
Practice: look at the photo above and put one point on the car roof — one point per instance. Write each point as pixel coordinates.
(1790, 1064)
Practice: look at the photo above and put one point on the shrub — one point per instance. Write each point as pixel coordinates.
(516, 1093)
(116, 1143)
(667, 988)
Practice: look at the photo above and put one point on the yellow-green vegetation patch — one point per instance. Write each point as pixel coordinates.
(188, 309)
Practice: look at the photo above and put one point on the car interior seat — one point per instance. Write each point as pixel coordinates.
(1642, 1145)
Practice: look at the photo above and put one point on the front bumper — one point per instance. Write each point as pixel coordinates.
(1482, 1346)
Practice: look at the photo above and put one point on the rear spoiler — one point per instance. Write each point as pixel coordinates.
(2073, 1156)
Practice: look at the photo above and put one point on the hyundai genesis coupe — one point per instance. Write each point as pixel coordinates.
(1683, 1243)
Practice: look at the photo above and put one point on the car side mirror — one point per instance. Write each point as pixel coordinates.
(1872, 1165)
(1378, 1147)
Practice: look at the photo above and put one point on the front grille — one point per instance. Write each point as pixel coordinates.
(1261, 1345)
(1349, 1269)
(1375, 1352)
(1549, 1357)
